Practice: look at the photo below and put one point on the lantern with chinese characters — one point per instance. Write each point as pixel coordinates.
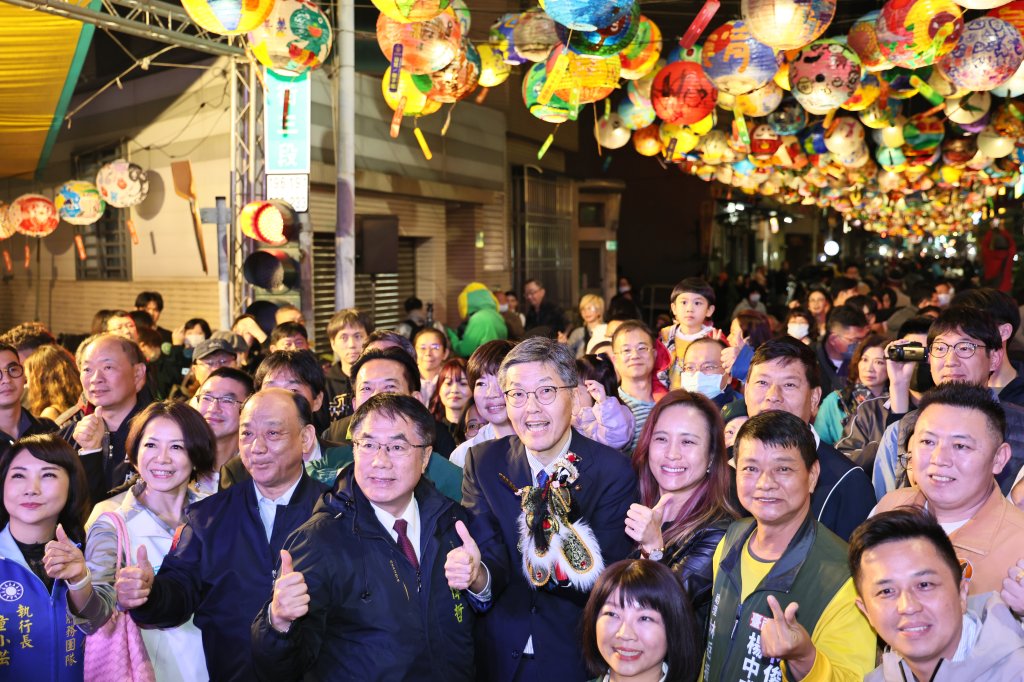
(970, 109)
(269, 222)
(295, 36)
(585, 15)
(677, 138)
(867, 92)
(581, 79)
(787, 24)
(844, 136)
(604, 42)
(824, 75)
(79, 203)
(915, 33)
(407, 11)
(611, 133)
(636, 116)
(412, 89)
(458, 79)
(33, 215)
(426, 45)
(647, 141)
(760, 102)
(534, 35)
(228, 17)
(682, 94)
(987, 55)
(736, 61)
(789, 118)
(122, 183)
(501, 37)
(863, 39)
(555, 110)
(641, 54)
(493, 69)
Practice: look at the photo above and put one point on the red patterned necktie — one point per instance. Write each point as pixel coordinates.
(401, 526)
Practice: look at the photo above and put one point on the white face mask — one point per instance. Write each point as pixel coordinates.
(193, 340)
(798, 331)
(754, 297)
(708, 385)
(944, 300)
(624, 290)
(503, 307)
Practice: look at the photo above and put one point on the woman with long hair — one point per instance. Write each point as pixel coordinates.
(868, 378)
(685, 502)
(52, 382)
(449, 400)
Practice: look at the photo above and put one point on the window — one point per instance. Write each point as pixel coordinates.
(107, 243)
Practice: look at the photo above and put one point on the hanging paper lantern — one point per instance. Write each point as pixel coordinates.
(863, 39)
(611, 132)
(6, 226)
(922, 134)
(764, 142)
(787, 24)
(585, 15)
(945, 87)
(604, 42)
(642, 53)
(867, 92)
(269, 222)
(987, 55)
(1008, 120)
(534, 35)
(682, 94)
(994, 145)
(639, 90)
(684, 138)
(33, 215)
(735, 61)
(915, 33)
(844, 136)
(500, 37)
(789, 118)
(647, 141)
(122, 183)
(581, 79)
(685, 54)
(493, 69)
(296, 36)
(981, 4)
(812, 139)
(426, 45)
(407, 11)
(413, 89)
(458, 79)
(900, 84)
(1013, 87)
(636, 116)
(228, 17)
(857, 158)
(824, 76)
(462, 13)
(79, 203)
(557, 110)
(760, 102)
(970, 109)
(714, 148)
(958, 151)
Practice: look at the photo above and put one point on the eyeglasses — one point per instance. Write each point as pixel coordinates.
(545, 395)
(396, 450)
(210, 400)
(706, 368)
(215, 362)
(640, 350)
(963, 349)
(12, 370)
(432, 346)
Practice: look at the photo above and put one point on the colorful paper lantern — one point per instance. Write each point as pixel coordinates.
(556, 110)
(459, 78)
(760, 102)
(296, 36)
(824, 75)
(844, 136)
(736, 61)
(915, 33)
(500, 37)
(586, 15)
(33, 215)
(1013, 87)
(426, 45)
(611, 132)
(407, 11)
(994, 145)
(685, 54)
(869, 90)
(764, 142)
(679, 139)
(580, 80)
(958, 151)
(6, 227)
(122, 183)
(228, 17)
(863, 39)
(901, 83)
(269, 222)
(647, 141)
(641, 55)
(714, 148)
(534, 35)
(79, 203)
(787, 24)
(970, 109)
(988, 54)
(922, 134)
(604, 42)
(682, 94)
(789, 118)
(636, 116)
(493, 69)
(412, 89)
(463, 14)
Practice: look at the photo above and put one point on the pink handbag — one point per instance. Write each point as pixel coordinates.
(116, 652)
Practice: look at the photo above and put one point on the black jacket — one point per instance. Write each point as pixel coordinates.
(372, 616)
(546, 320)
(27, 426)
(843, 497)
(832, 379)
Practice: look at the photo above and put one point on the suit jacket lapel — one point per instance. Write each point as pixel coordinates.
(518, 465)
(579, 447)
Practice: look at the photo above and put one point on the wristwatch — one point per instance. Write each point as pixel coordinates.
(654, 554)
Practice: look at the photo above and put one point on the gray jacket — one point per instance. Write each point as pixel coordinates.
(864, 431)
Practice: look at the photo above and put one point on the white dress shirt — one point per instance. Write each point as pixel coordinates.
(268, 507)
(411, 515)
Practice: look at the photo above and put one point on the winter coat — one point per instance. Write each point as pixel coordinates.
(484, 323)
(609, 422)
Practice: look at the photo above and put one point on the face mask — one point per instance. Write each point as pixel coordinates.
(944, 300)
(193, 340)
(798, 331)
(754, 297)
(503, 307)
(624, 290)
(708, 385)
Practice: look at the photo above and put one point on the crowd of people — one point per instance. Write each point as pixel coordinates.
(820, 481)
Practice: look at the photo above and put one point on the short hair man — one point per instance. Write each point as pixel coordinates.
(784, 376)
(633, 355)
(781, 563)
(543, 316)
(534, 598)
(347, 332)
(386, 529)
(15, 421)
(220, 401)
(956, 450)
(914, 594)
(221, 569)
(26, 338)
(845, 327)
(153, 303)
(121, 323)
(921, 296)
(211, 354)
(702, 372)
(289, 336)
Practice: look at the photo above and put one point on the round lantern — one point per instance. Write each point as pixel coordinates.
(1008, 120)
(863, 39)
(914, 33)
(994, 145)
(760, 102)
(611, 132)
(33, 215)
(582, 79)
(857, 158)
(228, 17)
(789, 118)
(891, 158)
(869, 90)
(604, 42)
(411, 10)
(945, 87)
(122, 183)
(682, 94)
(636, 116)
(1013, 87)
(640, 90)
(462, 13)
(557, 110)
(736, 61)
(642, 53)
(844, 136)
(6, 227)
(685, 139)
(413, 89)
(585, 15)
(958, 151)
(987, 55)
(764, 142)
(812, 139)
(981, 4)
(493, 69)
(824, 75)
(647, 141)
(459, 78)
(269, 222)
(534, 35)
(79, 203)
(714, 148)
(922, 134)
(500, 37)
(787, 24)
(1012, 13)
(970, 109)
(426, 45)
(295, 36)
(876, 117)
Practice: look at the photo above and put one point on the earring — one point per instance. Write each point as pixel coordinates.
(707, 471)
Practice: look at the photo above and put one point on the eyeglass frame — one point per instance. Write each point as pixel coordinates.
(387, 447)
(534, 393)
(952, 346)
(8, 370)
(706, 368)
(639, 351)
(217, 400)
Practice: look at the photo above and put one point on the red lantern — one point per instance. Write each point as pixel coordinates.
(33, 215)
(682, 94)
(270, 222)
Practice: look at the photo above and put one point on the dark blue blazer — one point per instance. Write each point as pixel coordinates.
(605, 489)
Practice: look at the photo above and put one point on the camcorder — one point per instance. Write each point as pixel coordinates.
(908, 352)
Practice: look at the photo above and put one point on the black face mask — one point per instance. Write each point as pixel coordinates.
(922, 380)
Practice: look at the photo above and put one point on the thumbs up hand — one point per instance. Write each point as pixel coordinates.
(291, 596)
(89, 431)
(462, 567)
(62, 559)
(643, 524)
(134, 583)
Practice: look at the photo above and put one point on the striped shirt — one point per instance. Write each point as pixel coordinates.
(640, 410)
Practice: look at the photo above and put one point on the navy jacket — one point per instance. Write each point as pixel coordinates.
(843, 497)
(372, 616)
(222, 571)
(603, 492)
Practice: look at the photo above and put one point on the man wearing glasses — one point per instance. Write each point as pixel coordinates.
(963, 346)
(633, 357)
(530, 585)
(15, 421)
(362, 592)
(220, 400)
(209, 355)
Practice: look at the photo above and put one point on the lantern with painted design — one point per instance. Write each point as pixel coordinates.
(604, 42)
(269, 222)
(787, 24)
(228, 17)
(611, 133)
(789, 118)
(647, 141)
(426, 45)
(6, 227)
(493, 69)
(407, 11)
(682, 94)
(458, 79)
(33, 215)
(863, 39)
(556, 109)
(760, 102)
(824, 75)
(122, 183)
(987, 55)
(501, 37)
(534, 35)
(412, 89)
(581, 80)
(915, 33)
(636, 115)
(736, 61)
(586, 15)
(296, 36)
(79, 203)
(643, 52)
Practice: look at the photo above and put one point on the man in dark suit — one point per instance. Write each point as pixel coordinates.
(570, 484)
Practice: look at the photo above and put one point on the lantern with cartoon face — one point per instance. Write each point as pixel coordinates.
(824, 75)
(915, 33)
(33, 215)
(736, 61)
(427, 46)
(987, 55)
(296, 36)
(764, 142)
(787, 24)
(844, 136)
(682, 94)
(79, 203)
(122, 184)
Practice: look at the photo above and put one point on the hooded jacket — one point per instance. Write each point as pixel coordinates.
(372, 616)
(479, 308)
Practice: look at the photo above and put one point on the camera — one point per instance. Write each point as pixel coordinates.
(908, 352)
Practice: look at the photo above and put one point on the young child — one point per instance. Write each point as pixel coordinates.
(602, 416)
(693, 302)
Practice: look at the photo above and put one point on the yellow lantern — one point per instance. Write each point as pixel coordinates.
(407, 11)
(647, 141)
(413, 89)
(579, 79)
(493, 69)
(228, 17)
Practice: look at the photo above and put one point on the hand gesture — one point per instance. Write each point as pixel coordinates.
(462, 568)
(729, 356)
(643, 524)
(134, 583)
(596, 390)
(900, 373)
(178, 336)
(562, 337)
(63, 560)
(1013, 591)
(783, 637)
(89, 431)
(291, 596)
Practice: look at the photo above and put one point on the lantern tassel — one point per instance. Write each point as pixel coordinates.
(80, 245)
(741, 126)
(927, 91)
(547, 144)
(482, 96)
(132, 232)
(423, 143)
(596, 137)
(396, 120)
(699, 23)
(28, 255)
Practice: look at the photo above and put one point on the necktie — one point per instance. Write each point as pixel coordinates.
(542, 478)
(401, 526)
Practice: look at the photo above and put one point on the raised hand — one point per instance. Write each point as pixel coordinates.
(643, 524)
(62, 559)
(462, 568)
(783, 637)
(291, 596)
(1013, 591)
(596, 390)
(134, 583)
